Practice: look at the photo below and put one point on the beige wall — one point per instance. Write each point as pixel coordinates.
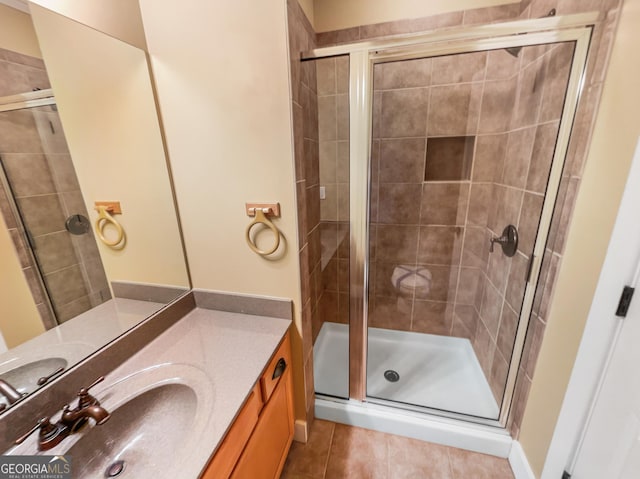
(16, 32)
(19, 320)
(107, 108)
(118, 18)
(337, 14)
(614, 139)
(223, 85)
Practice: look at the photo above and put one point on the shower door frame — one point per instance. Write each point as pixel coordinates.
(362, 58)
(17, 102)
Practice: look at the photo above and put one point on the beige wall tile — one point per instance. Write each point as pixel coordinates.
(342, 74)
(403, 74)
(507, 331)
(516, 282)
(468, 317)
(55, 251)
(326, 76)
(542, 156)
(432, 317)
(501, 65)
(497, 106)
(443, 283)
(468, 284)
(18, 133)
(402, 160)
(559, 63)
(491, 309)
(42, 214)
(444, 203)
(480, 204)
(66, 285)
(530, 86)
(29, 174)
(389, 313)
(328, 162)
(489, 157)
(404, 113)
(476, 247)
(397, 243)
(440, 245)
(529, 221)
(454, 109)
(498, 379)
(517, 157)
(399, 203)
(462, 68)
(327, 118)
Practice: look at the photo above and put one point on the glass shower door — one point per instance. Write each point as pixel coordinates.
(461, 154)
(327, 175)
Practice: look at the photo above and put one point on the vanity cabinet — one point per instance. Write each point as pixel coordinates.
(258, 441)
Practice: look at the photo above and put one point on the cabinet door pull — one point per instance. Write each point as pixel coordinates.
(279, 369)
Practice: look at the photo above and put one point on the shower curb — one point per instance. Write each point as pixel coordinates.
(448, 432)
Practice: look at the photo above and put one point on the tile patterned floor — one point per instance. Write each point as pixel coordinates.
(337, 451)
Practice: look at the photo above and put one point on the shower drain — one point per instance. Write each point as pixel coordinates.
(115, 469)
(391, 375)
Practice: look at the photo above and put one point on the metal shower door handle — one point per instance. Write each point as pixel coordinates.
(508, 241)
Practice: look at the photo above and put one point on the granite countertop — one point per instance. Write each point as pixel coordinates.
(231, 349)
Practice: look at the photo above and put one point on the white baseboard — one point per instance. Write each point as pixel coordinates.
(300, 431)
(519, 463)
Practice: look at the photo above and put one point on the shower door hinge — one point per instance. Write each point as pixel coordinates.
(566, 475)
(625, 301)
(530, 268)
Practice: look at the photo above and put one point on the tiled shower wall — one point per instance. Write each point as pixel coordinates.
(583, 124)
(38, 165)
(508, 188)
(333, 124)
(306, 150)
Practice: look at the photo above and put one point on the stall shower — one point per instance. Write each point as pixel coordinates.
(39, 193)
(427, 175)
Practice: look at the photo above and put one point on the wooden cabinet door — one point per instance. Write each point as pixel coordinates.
(266, 451)
(233, 444)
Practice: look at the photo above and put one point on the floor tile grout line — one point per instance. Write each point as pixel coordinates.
(326, 462)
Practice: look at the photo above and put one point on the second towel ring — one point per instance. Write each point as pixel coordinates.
(104, 218)
(261, 218)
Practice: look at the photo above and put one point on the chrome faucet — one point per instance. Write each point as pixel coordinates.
(71, 420)
(9, 392)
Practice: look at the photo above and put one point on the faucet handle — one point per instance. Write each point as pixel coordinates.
(45, 426)
(85, 391)
(84, 398)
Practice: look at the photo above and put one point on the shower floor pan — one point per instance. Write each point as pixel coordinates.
(433, 371)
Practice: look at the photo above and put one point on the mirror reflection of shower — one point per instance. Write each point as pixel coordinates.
(45, 212)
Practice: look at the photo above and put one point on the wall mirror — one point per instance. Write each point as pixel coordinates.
(78, 125)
